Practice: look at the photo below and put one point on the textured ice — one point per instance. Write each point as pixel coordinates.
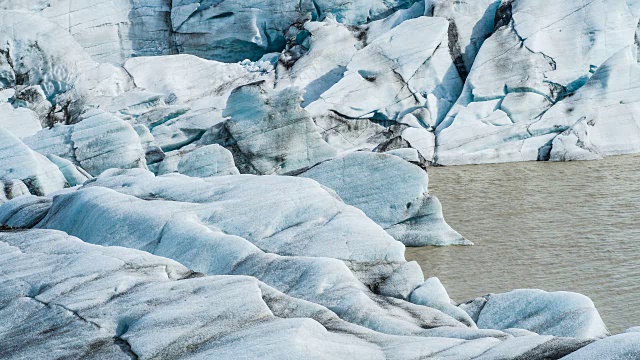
(433, 294)
(110, 31)
(12, 189)
(19, 163)
(211, 160)
(471, 22)
(540, 54)
(233, 30)
(184, 224)
(100, 141)
(602, 117)
(618, 347)
(331, 48)
(39, 52)
(186, 78)
(394, 79)
(401, 203)
(74, 174)
(359, 98)
(268, 132)
(561, 313)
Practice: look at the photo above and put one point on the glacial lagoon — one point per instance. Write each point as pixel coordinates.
(554, 226)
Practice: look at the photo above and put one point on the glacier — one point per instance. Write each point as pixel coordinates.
(240, 178)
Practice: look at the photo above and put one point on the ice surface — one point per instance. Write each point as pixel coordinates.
(294, 139)
(400, 203)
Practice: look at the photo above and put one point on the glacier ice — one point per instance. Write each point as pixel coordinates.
(560, 313)
(19, 163)
(433, 294)
(279, 151)
(547, 51)
(118, 303)
(400, 203)
(20, 121)
(98, 142)
(623, 346)
(268, 131)
(601, 117)
(211, 160)
(200, 222)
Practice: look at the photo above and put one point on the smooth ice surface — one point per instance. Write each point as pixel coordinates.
(312, 230)
(433, 294)
(138, 281)
(21, 121)
(118, 303)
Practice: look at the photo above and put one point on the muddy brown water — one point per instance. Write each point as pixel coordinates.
(554, 226)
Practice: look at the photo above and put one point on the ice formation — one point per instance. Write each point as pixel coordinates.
(239, 178)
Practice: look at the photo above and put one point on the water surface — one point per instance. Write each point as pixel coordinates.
(553, 226)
